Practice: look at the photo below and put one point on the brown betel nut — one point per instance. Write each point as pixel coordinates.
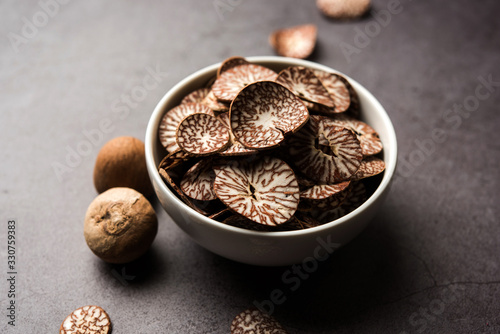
(120, 225)
(121, 162)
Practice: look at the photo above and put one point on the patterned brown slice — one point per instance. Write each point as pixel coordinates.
(253, 321)
(339, 92)
(325, 153)
(367, 136)
(298, 222)
(264, 190)
(237, 220)
(343, 9)
(168, 180)
(172, 119)
(230, 82)
(305, 84)
(370, 166)
(235, 147)
(357, 195)
(296, 42)
(370, 144)
(198, 181)
(211, 101)
(354, 108)
(202, 134)
(174, 159)
(196, 96)
(323, 191)
(230, 63)
(264, 112)
(319, 108)
(88, 319)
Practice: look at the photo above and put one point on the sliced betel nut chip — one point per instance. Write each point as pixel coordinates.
(174, 159)
(296, 42)
(337, 89)
(235, 147)
(168, 180)
(264, 112)
(314, 202)
(367, 136)
(355, 107)
(230, 63)
(264, 190)
(202, 134)
(370, 166)
(343, 9)
(88, 320)
(211, 101)
(172, 119)
(240, 221)
(325, 153)
(196, 96)
(323, 191)
(198, 181)
(231, 81)
(254, 321)
(304, 83)
(355, 197)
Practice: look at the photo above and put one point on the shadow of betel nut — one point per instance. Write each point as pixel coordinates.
(120, 225)
(88, 319)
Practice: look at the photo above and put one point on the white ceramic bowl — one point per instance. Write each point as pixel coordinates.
(269, 248)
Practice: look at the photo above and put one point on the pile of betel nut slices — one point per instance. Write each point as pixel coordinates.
(270, 151)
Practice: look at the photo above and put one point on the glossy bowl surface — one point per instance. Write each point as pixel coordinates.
(269, 248)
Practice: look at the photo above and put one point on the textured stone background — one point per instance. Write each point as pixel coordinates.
(428, 263)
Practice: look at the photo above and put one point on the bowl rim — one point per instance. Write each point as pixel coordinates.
(151, 137)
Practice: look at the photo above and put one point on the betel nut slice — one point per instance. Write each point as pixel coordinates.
(343, 9)
(171, 120)
(254, 321)
(263, 112)
(326, 153)
(231, 81)
(198, 181)
(296, 42)
(211, 101)
(303, 82)
(355, 197)
(323, 191)
(264, 190)
(337, 89)
(202, 134)
(88, 320)
(235, 147)
(230, 63)
(367, 136)
(196, 96)
(370, 166)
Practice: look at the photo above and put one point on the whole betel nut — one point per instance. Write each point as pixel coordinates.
(121, 162)
(120, 225)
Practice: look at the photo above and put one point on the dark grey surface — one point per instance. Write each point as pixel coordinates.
(428, 263)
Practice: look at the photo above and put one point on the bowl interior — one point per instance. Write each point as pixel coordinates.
(372, 112)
